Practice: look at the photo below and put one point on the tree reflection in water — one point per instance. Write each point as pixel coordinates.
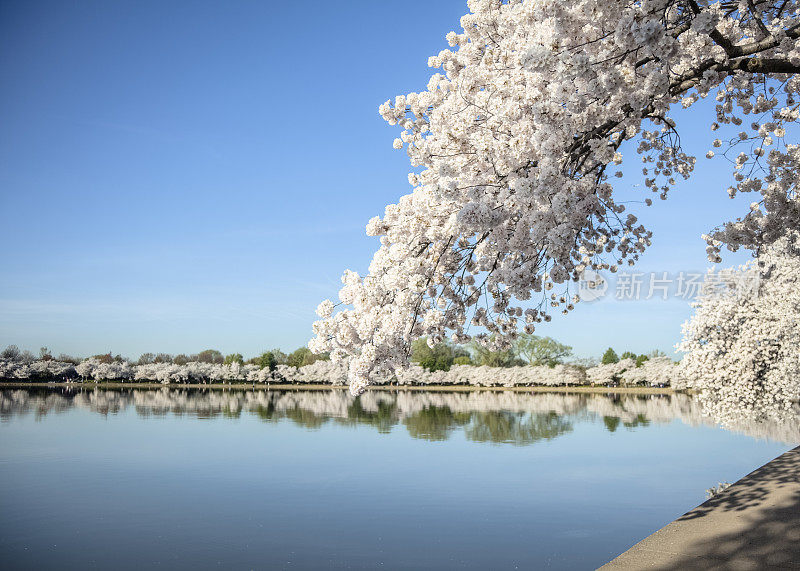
(516, 428)
(435, 422)
(500, 417)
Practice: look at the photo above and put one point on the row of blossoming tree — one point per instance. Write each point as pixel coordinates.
(658, 370)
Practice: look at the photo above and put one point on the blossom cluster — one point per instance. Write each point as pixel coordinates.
(49, 369)
(743, 347)
(514, 148)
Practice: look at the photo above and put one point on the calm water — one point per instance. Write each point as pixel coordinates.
(316, 479)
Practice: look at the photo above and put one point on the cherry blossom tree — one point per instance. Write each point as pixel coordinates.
(656, 371)
(743, 342)
(515, 146)
(609, 372)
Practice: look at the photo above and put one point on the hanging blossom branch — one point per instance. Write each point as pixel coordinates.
(515, 146)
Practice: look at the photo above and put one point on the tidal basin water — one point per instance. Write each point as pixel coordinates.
(316, 479)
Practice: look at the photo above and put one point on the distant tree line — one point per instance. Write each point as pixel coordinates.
(268, 359)
(610, 356)
(13, 353)
(531, 361)
(528, 349)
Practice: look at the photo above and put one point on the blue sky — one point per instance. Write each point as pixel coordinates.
(184, 175)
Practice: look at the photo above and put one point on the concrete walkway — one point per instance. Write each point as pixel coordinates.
(754, 524)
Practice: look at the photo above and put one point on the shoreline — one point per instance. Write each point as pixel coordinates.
(325, 387)
(753, 524)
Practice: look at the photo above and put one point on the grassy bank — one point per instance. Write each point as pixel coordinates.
(321, 387)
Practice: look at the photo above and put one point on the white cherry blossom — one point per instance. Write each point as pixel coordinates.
(515, 144)
(743, 343)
